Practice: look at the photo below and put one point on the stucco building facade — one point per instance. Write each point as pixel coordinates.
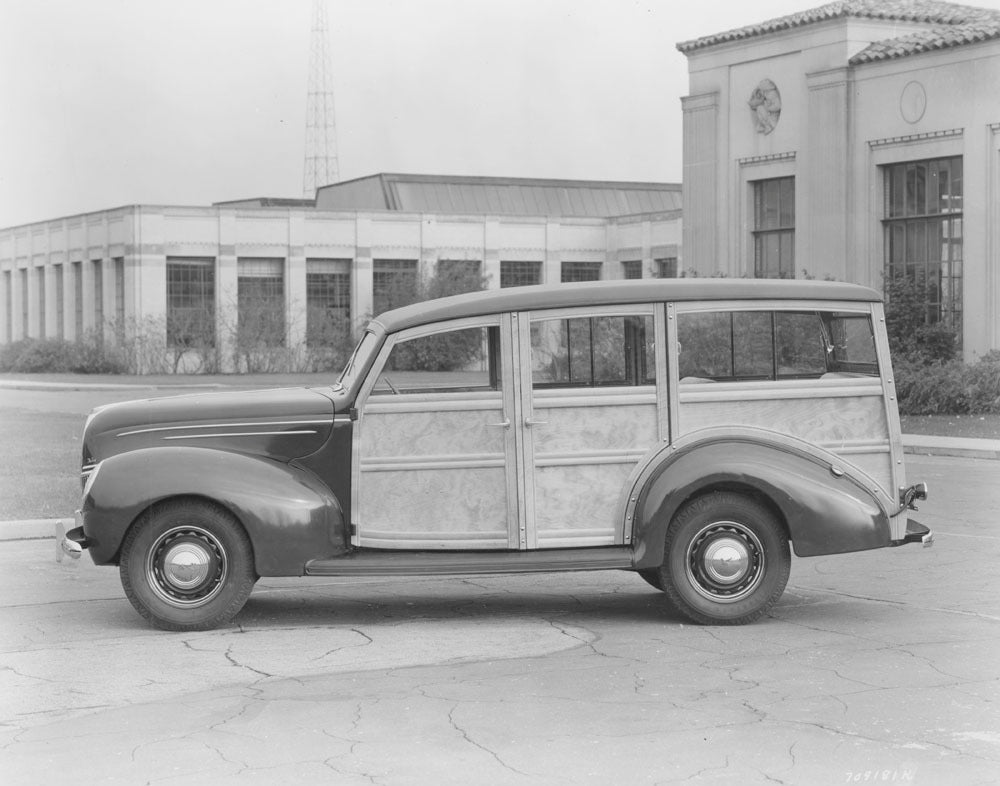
(175, 270)
(855, 141)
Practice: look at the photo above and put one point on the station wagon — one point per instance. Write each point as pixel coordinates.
(693, 431)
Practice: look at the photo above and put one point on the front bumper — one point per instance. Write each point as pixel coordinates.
(915, 533)
(75, 541)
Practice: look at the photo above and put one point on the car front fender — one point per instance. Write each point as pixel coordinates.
(290, 516)
(827, 506)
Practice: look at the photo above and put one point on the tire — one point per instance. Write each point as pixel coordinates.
(187, 565)
(726, 560)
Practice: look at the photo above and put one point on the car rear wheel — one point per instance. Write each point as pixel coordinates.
(187, 566)
(726, 559)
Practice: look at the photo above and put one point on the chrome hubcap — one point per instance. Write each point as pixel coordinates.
(186, 566)
(724, 561)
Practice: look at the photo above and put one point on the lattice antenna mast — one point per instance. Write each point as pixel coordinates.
(321, 166)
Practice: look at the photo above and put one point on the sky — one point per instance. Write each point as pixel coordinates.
(106, 103)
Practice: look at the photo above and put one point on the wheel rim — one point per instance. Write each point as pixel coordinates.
(724, 562)
(187, 566)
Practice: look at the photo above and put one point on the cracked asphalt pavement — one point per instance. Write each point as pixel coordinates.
(877, 667)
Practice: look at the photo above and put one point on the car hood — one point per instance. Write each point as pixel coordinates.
(283, 423)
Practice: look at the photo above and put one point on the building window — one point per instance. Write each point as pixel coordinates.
(120, 293)
(24, 303)
(393, 283)
(8, 295)
(632, 269)
(666, 267)
(923, 235)
(517, 273)
(328, 301)
(774, 228)
(190, 302)
(40, 273)
(581, 271)
(99, 298)
(78, 300)
(260, 294)
(60, 301)
(458, 275)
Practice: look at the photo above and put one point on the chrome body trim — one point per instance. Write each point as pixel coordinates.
(251, 424)
(243, 434)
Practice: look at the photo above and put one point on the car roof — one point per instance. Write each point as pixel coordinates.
(591, 293)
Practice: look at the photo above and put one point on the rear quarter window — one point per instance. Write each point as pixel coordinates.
(724, 346)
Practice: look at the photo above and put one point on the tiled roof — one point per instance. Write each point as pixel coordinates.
(949, 24)
(940, 37)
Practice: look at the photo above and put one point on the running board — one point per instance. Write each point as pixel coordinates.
(371, 562)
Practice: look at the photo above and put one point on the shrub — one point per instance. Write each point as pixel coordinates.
(911, 336)
(56, 356)
(949, 388)
(983, 382)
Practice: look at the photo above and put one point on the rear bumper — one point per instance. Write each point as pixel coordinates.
(915, 533)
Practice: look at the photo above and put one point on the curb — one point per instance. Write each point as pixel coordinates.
(34, 529)
(960, 447)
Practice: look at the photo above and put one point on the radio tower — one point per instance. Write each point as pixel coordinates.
(321, 166)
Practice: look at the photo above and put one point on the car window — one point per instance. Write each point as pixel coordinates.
(466, 359)
(592, 352)
(766, 345)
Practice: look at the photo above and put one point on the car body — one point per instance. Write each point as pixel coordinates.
(687, 429)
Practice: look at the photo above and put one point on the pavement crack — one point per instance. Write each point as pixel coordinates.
(474, 743)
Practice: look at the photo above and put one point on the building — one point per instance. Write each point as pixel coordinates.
(857, 140)
(189, 281)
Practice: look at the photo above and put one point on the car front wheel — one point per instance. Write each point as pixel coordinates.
(187, 565)
(726, 559)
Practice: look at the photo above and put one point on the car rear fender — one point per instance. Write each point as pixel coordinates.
(826, 505)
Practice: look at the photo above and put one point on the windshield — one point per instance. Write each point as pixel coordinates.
(357, 360)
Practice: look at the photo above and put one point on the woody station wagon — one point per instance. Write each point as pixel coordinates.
(688, 430)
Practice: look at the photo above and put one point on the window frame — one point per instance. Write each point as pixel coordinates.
(846, 309)
(764, 230)
(905, 229)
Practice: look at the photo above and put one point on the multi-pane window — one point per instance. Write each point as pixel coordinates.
(260, 296)
(666, 267)
(774, 228)
(40, 275)
(393, 283)
(632, 269)
(458, 275)
(60, 301)
(190, 302)
(328, 300)
(923, 234)
(519, 273)
(8, 293)
(99, 298)
(120, 293)
(592, 352)
(581, 271)
(78, 300)
(24, 303)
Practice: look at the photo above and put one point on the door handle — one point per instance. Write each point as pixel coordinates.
(532, 422)
(504, 424)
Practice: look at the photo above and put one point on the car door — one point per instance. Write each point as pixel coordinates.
(435, 462)
(593, 404)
